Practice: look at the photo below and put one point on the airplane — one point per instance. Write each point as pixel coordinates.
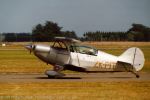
(69, 54)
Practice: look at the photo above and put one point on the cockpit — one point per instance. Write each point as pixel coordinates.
(83, 49)
(69, 45)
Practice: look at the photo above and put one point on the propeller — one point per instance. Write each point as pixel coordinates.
(30, 47)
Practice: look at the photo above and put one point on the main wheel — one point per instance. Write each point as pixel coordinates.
(137, 76)
(53, 77)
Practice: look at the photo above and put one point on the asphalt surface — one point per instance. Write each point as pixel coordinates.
(90, 77)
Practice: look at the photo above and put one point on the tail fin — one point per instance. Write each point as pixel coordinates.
(133, 56)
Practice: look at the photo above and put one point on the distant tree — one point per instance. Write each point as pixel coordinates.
(48, 31)
(10, 37)
(22, 37)
(140, 32)
(52, 29)
(105, 36)
(2, 37)
(38, 33)
(130, 36)
(16, 37)
(70, 34)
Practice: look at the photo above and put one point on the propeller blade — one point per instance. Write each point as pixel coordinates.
(29, 47)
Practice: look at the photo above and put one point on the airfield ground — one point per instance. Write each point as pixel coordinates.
(21, 77)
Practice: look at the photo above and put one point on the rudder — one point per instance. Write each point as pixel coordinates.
(133, 56)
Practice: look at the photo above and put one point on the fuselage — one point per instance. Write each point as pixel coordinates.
(91, 62)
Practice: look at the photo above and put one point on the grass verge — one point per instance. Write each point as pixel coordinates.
(76, 91)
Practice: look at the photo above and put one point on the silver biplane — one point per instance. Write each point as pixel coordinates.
(69, 54)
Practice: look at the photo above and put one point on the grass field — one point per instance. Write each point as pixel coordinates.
(15, 59)
(76, 91)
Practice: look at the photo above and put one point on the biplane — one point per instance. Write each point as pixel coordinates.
(70, 54)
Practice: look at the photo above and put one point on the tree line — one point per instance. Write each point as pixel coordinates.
(40, 33)
(137, 32)
(105, 36)
(47, 31)
(15, 37)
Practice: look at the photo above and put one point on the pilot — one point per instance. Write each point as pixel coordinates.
(71, 48)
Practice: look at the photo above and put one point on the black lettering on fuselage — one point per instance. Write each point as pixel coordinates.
(107, 65)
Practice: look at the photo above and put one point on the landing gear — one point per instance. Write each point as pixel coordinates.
(54, 74)
(132, 71)
(54, 77)
(51, 77)
(58, 68)
(136, 74)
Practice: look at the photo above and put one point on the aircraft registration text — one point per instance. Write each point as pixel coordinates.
(107, 65)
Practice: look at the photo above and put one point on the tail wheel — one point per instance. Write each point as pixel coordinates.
(137, 76)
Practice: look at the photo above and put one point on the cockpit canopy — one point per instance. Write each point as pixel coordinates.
(73, 45)
(83, 49)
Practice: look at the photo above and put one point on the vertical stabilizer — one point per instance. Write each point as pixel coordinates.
(133, 56)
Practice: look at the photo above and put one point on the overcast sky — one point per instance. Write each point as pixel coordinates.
(78, 15)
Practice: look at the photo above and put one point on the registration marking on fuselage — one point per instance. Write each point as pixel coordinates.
(107, 65)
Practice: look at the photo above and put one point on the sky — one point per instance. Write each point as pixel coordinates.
(78, 15)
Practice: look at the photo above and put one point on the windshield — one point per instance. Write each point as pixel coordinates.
(83, 49)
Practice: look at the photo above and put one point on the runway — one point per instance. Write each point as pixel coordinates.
(79, 77)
